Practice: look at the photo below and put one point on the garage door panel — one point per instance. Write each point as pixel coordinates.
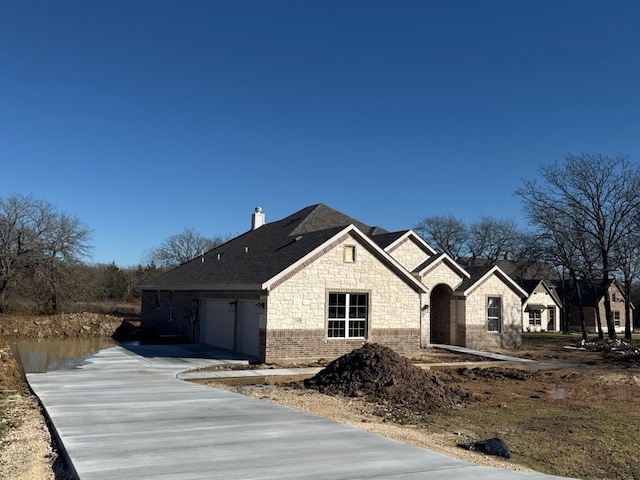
(217, 324)
(248, 325)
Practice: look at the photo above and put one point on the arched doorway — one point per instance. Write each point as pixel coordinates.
(440, 315)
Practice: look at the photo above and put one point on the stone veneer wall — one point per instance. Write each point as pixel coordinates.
(408, 254)
(540, 296)
(442, 273)
(476, 334)
(297, 308)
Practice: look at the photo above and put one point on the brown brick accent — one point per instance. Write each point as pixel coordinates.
(478, 338)
(312, 344)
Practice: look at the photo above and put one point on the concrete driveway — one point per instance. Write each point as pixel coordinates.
(124, 414)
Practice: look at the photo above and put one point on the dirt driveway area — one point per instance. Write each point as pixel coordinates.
(581, 422)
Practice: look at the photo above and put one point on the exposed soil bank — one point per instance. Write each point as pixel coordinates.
(26, 450)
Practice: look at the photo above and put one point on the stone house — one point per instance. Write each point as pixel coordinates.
(319, 283)
(542, 307)
(594, 299)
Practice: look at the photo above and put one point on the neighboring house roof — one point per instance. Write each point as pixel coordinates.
(590, 297)
(479, 274)
(519, 269)
(255, 259)
(530, 286)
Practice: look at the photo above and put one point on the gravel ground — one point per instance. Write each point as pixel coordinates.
(26, 452)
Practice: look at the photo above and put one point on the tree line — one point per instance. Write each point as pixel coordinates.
(45, 259)
(583, 218)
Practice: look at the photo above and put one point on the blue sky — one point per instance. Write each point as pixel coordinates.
(145, 117)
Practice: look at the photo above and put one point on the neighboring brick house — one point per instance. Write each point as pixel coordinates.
(595, 299)
(319, 283)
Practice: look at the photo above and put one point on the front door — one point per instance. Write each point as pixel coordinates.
(440, 315)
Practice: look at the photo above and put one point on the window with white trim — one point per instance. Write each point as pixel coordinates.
(348, 314)
(616, 318)
(535, 317)
(494, 314)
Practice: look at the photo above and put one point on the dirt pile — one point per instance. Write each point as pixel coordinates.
(402, 392)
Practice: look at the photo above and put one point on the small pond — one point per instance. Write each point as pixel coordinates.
(44, 356)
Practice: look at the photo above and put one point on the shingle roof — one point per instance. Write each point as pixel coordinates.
(590, 298)
(529, 285)
(383, 239)
(518, 269)
(258, 255)
(476, 273)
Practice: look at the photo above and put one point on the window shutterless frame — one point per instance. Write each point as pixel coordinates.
(348, 315)
(494, 314)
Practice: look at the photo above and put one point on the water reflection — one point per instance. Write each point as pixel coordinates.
(40, 357)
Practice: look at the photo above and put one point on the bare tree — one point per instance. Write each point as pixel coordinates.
(556, 245)
(444, 233)
(64, 244)
(626, 258)
(492, 239)
(182, 247)
(599, 194)
(38, 243)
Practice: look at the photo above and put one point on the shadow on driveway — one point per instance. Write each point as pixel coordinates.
(186, 350)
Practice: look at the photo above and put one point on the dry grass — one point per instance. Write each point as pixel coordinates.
(581, 422)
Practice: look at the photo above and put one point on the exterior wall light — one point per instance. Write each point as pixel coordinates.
(232, 305)
(260, 308)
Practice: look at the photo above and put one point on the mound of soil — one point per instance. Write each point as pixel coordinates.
(403, 392)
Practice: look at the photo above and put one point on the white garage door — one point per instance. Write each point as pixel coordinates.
(248, 321)
(217, 324)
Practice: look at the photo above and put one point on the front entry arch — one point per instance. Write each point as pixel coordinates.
(440, 315)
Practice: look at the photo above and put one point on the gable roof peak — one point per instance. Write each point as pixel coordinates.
(321, 217)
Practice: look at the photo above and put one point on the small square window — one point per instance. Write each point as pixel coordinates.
(349, 254)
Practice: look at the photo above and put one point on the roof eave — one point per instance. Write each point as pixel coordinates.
(399, 269)
(444, 257)
(226, 287)
(506, 278)
(414, 236)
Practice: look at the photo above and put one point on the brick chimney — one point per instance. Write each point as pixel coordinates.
(257, 218)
